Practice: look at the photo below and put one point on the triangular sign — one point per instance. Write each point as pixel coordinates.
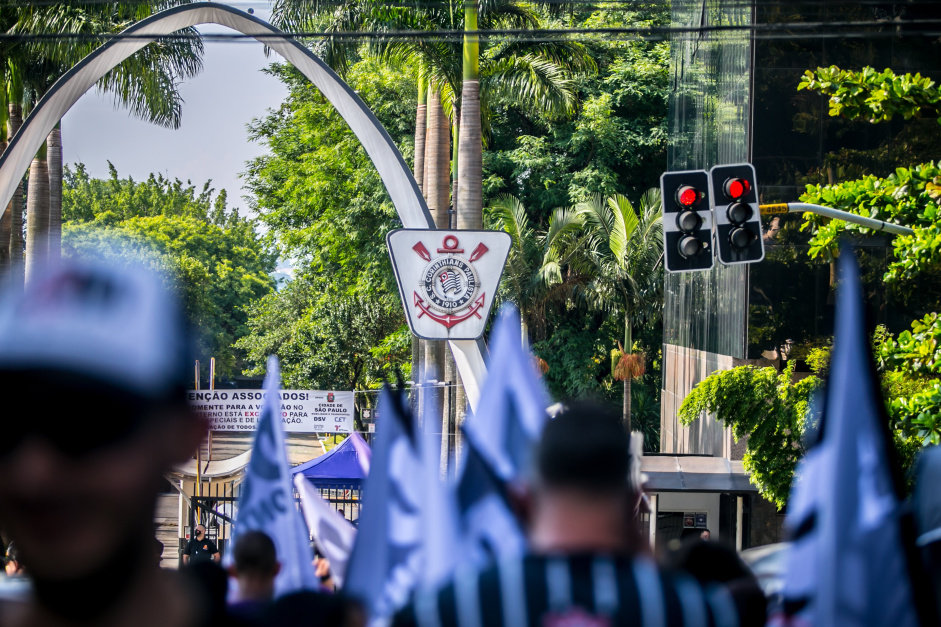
(448, 279)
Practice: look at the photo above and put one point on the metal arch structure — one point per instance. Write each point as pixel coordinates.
(395, 174)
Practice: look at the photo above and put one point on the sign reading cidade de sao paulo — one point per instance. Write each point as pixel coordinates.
(448, 279)
(302, 411)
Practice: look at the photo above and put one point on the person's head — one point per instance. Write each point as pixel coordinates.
(255, 565)
(11, 563)
(199, 532)
(94, 364)
(705, 535)
(580, 488)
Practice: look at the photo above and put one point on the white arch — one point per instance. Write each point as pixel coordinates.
(395, 174)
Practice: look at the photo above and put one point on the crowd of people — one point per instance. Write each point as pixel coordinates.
(94, 363)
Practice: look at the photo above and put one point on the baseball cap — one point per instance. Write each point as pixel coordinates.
(115, 325)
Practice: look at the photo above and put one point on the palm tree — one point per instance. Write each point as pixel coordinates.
(542, 266)
(146, 83)
(543, 71)
(624, 254)
(14, 93)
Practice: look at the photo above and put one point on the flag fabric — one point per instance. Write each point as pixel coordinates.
(513, 401)
(267, 498)
(333, 534)
(499, 440)
(849, 561)
(386, 560)
(439, 519)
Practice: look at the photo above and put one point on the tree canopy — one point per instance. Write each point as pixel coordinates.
(212, 258)
(339, 323)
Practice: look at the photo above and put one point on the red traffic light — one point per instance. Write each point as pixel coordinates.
(688, 196)
(736, 188)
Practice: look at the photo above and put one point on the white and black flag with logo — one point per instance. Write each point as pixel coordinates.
(266, 502)
(385, 563)
(851, 560)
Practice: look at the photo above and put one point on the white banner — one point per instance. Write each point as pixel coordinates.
(301, 411)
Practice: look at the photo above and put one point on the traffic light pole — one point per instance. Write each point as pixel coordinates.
(836, 214)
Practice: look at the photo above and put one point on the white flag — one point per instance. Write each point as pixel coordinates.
(386, 560)
(333, 533)
(267, 499)
(849, 563)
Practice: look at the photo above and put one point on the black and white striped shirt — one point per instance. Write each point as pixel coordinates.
(571, 591)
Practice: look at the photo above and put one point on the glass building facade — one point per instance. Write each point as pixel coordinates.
(735, 99)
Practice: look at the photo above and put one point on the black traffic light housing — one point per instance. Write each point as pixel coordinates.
(687, 221)
(737, 217)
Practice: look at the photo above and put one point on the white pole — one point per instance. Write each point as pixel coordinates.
(654, 506)
(739, 501)
(836, 214)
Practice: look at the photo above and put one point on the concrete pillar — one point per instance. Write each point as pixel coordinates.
(739, 506)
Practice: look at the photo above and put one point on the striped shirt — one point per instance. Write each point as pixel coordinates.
(571, 591)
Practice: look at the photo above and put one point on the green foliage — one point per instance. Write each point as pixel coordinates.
(916, 351)
(212, 258)
(111, 200)
(818, 360)
(327, 339)
(912, 363)
(534, 276)
(645, 417)
(339, 325)
(769, 409)
(871, 95)
(909, 196)
(919, 415)
(615, 142)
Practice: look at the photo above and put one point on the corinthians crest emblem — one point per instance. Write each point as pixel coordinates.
(447, 279)
(449, 284)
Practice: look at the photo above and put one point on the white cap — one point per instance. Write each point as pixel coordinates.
(117, 324)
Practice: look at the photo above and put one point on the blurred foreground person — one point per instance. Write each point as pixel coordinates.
(94, 364)
(255, 567)
(582, 569)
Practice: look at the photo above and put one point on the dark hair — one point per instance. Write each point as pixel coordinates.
(255, 553)
(585, 447)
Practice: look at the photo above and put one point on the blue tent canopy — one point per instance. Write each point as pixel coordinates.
(340, 468)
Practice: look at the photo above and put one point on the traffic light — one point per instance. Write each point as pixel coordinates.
(737, 217)
(687, 221)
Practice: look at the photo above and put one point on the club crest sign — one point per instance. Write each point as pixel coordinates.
(448, 279)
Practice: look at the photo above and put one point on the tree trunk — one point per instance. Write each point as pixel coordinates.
(421, 125)
(628, 349)
(447, 429)
(437, 160)
(5, 219)
(16, 207)
(6, 213)
(421, 119)
(470, 154)
(455, 163)
(54, 162)
(437, 193)
(627, 404)
(37, 216)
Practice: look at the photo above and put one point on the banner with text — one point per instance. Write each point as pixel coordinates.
(302, 411)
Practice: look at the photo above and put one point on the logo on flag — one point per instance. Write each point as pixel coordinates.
(329, 397)
(267, 499)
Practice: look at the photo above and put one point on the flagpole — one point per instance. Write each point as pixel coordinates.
(199, 461)
(212, 386)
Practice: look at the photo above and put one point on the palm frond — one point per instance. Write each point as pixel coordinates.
(625, 223)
